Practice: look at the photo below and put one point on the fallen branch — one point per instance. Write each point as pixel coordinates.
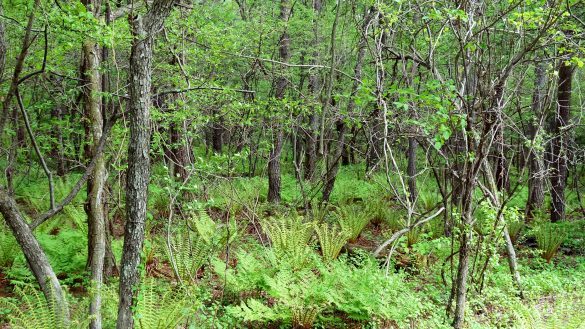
(405, 230)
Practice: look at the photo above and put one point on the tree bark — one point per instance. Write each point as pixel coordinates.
(278, 129)
(2, 47)
(96, 185)
(535, 155)
(35, 256)
(143, 30)
(95, 208)
(559, 143)
(314, 89)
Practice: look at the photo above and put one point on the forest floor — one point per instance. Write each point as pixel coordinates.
(241, 280)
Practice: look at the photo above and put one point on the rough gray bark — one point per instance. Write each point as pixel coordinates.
(535, 155)
(35, 256)
(144, 28)
(278, 130)
(559, 144)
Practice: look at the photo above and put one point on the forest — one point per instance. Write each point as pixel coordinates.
(390, 164)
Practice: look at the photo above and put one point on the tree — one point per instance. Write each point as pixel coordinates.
(144, 28)
(280, 91)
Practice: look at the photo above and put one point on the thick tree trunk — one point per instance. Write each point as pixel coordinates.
(35, 256)
(535, 155)
(143, 30)
(559, 143)
(278, 133)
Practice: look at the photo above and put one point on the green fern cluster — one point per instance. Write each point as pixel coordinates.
(165, 309)
(331, 240)
(353, 219)
(379, 211)
(289, 237)
(190, 247)
(549, 239)
(32, 311)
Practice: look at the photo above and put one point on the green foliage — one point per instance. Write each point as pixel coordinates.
(331, 240)
(164, 309)
(380, 210)
(8, 248)
(192, 245)
(289, 236)
(32, 311)
(549, 238)
(67, 253)
(353, 219)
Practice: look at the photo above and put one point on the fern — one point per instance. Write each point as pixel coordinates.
(33, 311)
(289, 237)
(331, 240)
(162, 310)
(189, 248)
(379, 211)
(8, 248)
(549, 238)
(352, 219)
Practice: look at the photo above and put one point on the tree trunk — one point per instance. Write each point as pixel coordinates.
(559, 143)
(96, 216)
(2, 47)
(35, 256)
(314, 88)
(217, 132)
(143, 30)
(411, 169)
(278, 132)
(96, 186)
(535, 155)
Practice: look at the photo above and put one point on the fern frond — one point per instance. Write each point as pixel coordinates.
(353, 219)
(190, 247)
(33, 311)
(165, 309)
(289, 237)
(331, 240)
